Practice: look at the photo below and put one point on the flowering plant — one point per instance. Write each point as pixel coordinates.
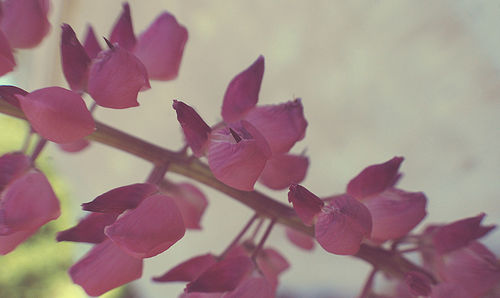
(373, 219)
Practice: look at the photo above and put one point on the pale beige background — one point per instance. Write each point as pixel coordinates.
(377, 78)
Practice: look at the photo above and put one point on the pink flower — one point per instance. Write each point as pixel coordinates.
(7, 61)
(300, 239)
(188, 270)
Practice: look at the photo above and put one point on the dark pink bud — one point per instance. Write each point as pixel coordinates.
(418, 283)
(12, 166)
(196, 131)
(188, 270)
(104, 268)
(75, 61)
(242, 93)
(223, 276)
(122, 198)
(343, 224)
(375, 179)
(300, 239)
(58, 114)
(116, 76)
(123, 31)
(89, 229)
(306, 204)
(395, 213)
(283, 170)
(238, 156)
(190, 201)
(90, 44)
(459, 233)
(161, 46)
(25, 22)
(7, 61)
(8, 93)
(150, 229)
(282, 125)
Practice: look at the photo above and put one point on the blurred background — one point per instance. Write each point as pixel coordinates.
(377, 79)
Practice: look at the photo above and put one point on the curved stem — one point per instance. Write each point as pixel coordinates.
(263, 205)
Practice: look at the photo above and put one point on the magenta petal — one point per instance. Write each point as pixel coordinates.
(25, 22)
(474, 268)
(123, 31)
(223, 276)
(89, 229)
(8, 93)
(238, 156)
(447, 290)
(188, 270)
(283, 170)
(160, 47)
(342, 225)
(90, 44)
(12, 166)
(27, 204)
(104, 268)
(271, 263)
(75, 146)
(190, 201)
(195, 129)
(282, 125)
(7, 61)
(458, 234)
(120, 199)
(300, 239)
(148, 230)
(242, 93)
(375, 178)
(306, 204)
(418, 283)
(252, 287)
(9, 242)
(116, 76)
(395, 213)
(58, 114)
(75, 61)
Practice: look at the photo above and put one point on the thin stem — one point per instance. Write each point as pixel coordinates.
(27, 140)
(403, 251)
(92, 108)
(368, 284)
(157, 173)
(257, 228)
(240, 234)
(263, 239)
(38, 149)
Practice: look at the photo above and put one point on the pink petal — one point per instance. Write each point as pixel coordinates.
(238, 156)
(395, 213)
(474, 268)
(104, 268)
(196, 131)
(9, 242)
(90, 44)
(242, 93)
(25, 22)
(283, 170)
(418, 283)
(122, 198)
(89, 229)
(300, 239)
(459, 233)
(58, 114)
(190, 201)
(447, 290)
(342, 225)
(116, 77)
(252, 287)
(160, 47)
(375, 179)
(8, 93)
(7, 61)
(75, 146)
(188, 270)
(75, 61)
(306, 204)
(223, 276)
(27, 204)
(12, 166)
(150, 229)
(282, 125)
(271, 263)
(123, 31)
